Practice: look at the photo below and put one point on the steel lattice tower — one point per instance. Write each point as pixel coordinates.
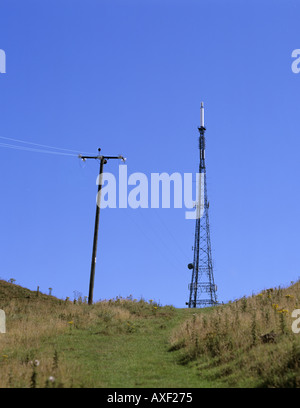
(202, 287)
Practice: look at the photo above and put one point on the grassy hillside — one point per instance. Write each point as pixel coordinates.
(247, 342)
(133, 343)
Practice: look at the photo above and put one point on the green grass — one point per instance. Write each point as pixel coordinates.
(133, 359)
(125, 343)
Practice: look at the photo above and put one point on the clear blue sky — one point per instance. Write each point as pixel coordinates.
(128, 76)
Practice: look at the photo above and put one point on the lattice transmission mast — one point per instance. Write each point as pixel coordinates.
(202, 287)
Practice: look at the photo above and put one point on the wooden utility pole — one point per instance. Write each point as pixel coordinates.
(103, 160)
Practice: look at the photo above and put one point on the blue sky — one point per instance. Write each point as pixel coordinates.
(129, 77)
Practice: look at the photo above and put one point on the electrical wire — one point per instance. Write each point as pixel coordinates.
(30, 149)
(41, 145)
(170, 251)
(170, 233)
(153, 242)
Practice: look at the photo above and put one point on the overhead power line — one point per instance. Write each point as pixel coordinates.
(45, 148)
(29, 149)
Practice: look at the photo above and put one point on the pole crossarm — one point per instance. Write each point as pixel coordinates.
(101, 157)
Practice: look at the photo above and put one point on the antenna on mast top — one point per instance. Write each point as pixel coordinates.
(202, 115)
